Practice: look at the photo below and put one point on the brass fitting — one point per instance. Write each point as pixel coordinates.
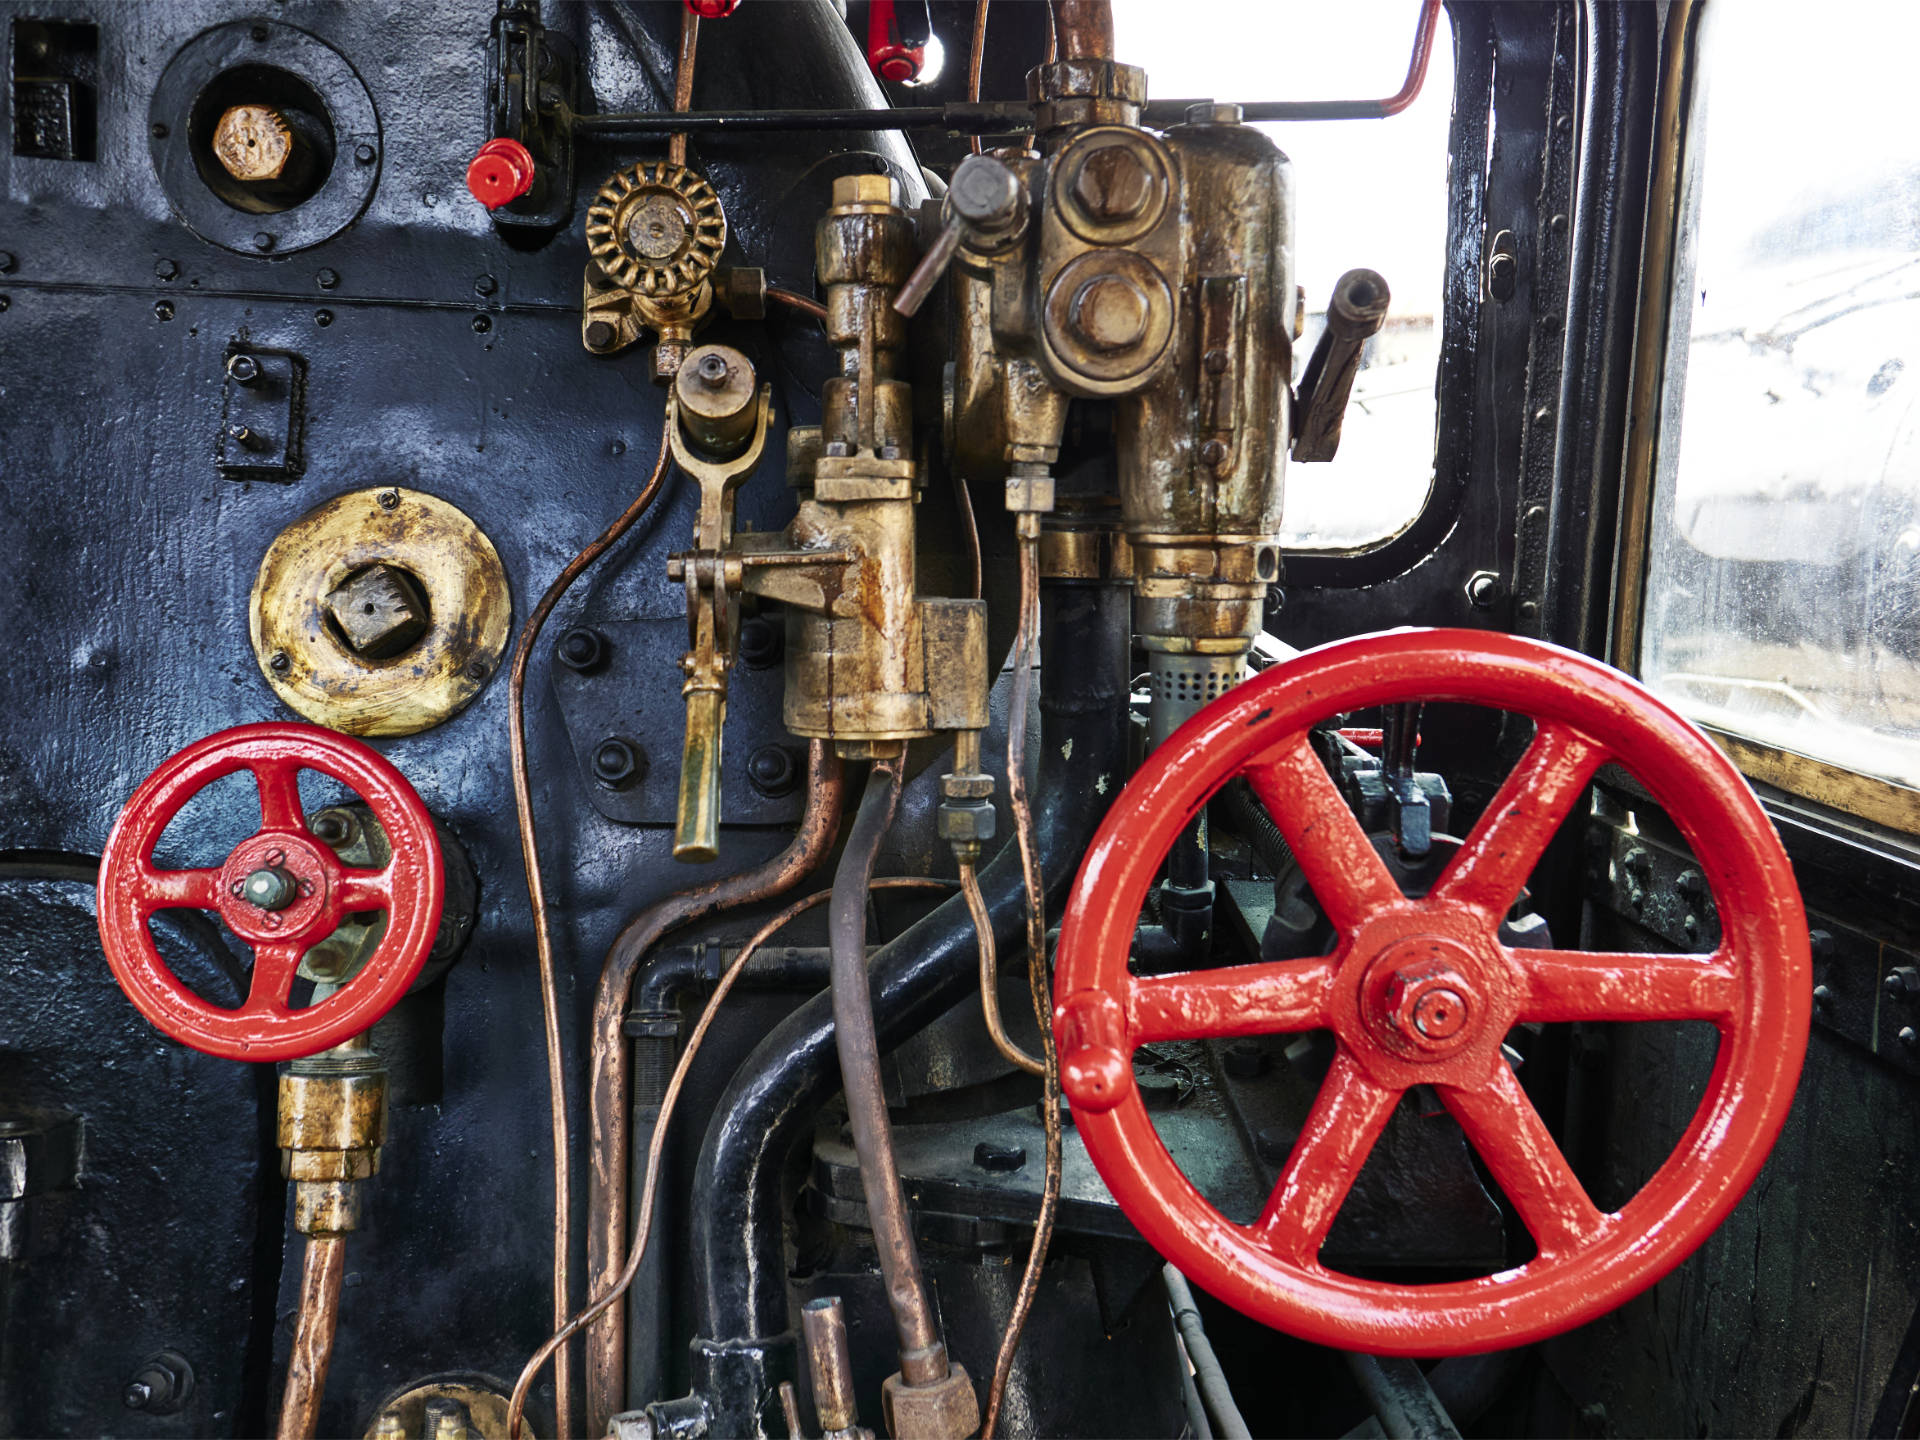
(965, 819)
(945, 1410)
(655, 232)
(253, 142)
(332, 1123)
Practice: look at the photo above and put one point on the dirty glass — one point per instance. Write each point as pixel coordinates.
(1784, 558)
(1395, 222)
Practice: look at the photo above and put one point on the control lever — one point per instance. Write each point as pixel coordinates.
(1354, 315)
(717, 426)
(985, 205)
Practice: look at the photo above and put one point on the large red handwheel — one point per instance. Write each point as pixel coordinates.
(280, 890)
(1421, 991)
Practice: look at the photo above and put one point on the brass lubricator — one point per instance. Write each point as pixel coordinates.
(870, 663)
(655, 232)
(1153, 271)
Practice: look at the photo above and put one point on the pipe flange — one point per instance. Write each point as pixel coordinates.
(657, 229)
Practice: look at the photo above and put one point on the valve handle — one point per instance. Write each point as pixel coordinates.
(280, 890)
(1423, 992)
(501, 172)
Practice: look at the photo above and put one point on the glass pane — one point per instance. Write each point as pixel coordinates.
(1393, 220)
(1784, 563)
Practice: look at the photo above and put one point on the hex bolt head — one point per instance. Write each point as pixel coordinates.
(998, 1157)
(333, 827)
(1245, 1060)
(263, 241)
(485, 285)
(380, 611)
(617, 763)
(984, 193)
(1113, 183)
(165, 269)
(761, 642)
(327, 278)
(581, 649)
(771, 771)
(1902, 982)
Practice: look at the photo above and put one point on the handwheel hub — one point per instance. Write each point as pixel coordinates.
(274, 887)
(1421, 998)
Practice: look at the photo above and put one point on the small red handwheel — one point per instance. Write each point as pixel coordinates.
(1422, 991)
(280, 890)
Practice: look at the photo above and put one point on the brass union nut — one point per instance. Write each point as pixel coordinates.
(948, 1410)
(863, 190)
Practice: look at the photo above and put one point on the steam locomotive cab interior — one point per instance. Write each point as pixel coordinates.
(937, 719)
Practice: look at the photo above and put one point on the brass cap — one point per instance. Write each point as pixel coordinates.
(864, 190)
(253, 142)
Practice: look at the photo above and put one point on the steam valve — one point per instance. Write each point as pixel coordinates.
(501, 173)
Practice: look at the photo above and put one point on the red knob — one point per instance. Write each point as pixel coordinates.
(890, 54)
(713, 9)
(1422, 991)
(501, 173)
(280, 890)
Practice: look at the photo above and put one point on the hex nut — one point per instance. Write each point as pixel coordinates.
(380, 612)
(965, 820)
(948, 1410)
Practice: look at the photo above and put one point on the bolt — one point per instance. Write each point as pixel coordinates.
(1902, 983)
(481, 324)
(992, 1155)
(1213, 453)
(1639, 864)
(280, 662)
(1439, 1014)
(363, 153)
(333, 827)
(244, 369)
(713, 371)
(616, 763)
(1245, 1060)
(165, 269)
(6, 262)
(1275, 602)
(984, 193)
(1820, 942)
(476, 670)
(1558, 224)
(1909, 1036)
(1822, 997)
(163, 309)
(158, 130)
(259, 34)
(323, 318)
(138, 1395)
(485, 285)
(1112, 183)
(263, 241)
(1215, 362)
(1692, 884)
(1503, 272)
(771, 770)
(326, 279)
(380, 611)
(760, 642)
(1110, 312)
(599, 335)
(1483, 588)
(581, 649)
(270, 888)
(388, 499)
(246, 437)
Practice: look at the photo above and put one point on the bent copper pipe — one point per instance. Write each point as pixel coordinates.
(319, 1319)
(611, 1073)
(923, 1356)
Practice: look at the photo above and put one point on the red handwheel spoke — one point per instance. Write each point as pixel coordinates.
(366, 889)
(279, 782)
(178, 889)
(1580, 985)
(1348, 877)
(1503, 1126)
(274, 966)
(1506, 844)
(1269, 999)
(1347, 1117)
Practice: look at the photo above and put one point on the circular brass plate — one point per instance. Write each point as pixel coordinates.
(318, 674)
(486, 1400)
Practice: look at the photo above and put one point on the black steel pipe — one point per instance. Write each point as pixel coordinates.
(737, 1210)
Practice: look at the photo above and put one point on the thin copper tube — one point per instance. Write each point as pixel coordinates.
(683, 82)
(806, 304)
(977, 56)
(963, 502)
(990, 976)
(537, 895)
(1036, 963)
(651, 1184)
(320, 1275)
(610, 1084)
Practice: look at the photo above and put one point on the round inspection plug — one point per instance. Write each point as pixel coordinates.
(771, 770)
(581, 649)
(618, 763)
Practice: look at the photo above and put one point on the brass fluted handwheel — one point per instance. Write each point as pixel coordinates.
(656, 228)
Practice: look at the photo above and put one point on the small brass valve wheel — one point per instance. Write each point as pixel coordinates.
(281, 890)
(1422, 991)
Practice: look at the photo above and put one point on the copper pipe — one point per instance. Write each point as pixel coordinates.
(990, 976)
(609, 1140)
(683, 82)
(1085, 28)
(319, 1319)
(1036, 960)
(923, 1355)
(650, 1185)
(805, 304)
(963, 501)
(977, 56)
(830, 1362)
(537, 896)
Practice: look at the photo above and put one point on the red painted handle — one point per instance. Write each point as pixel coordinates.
(500, 173)
(280, 890)
(1423, 992)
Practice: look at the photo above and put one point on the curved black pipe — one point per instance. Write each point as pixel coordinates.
(738, 1236)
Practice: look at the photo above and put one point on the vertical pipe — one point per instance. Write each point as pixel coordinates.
(319, 1318)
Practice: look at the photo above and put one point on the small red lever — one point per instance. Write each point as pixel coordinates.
(501, 173)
